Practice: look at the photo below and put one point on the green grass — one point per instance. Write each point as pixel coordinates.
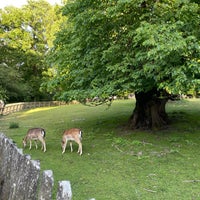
(118, 163)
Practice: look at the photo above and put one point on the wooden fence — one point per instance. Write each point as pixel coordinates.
(14, 107)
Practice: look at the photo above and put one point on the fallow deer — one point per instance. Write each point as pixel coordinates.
(73, 134)
(35, 134)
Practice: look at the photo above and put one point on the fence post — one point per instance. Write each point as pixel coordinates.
(46, 185)
(64, 191)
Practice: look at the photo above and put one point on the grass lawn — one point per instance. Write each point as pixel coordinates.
(118, 163)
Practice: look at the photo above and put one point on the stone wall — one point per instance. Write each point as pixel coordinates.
(22, 179)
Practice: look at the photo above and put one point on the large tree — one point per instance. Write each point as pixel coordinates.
(26, 35)
(115, 47)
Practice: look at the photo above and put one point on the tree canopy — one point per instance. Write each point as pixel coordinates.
(114, 47)
(26, 35)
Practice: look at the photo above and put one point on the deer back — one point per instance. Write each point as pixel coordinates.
(72, 134)
(35, 133)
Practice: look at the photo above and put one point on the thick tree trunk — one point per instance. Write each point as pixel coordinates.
(149, 112)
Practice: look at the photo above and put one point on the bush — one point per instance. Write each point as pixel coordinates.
(14, 125)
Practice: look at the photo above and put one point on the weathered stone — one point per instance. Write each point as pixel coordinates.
(19, 176)
(64, 191)
(5, 167)
(46, 185)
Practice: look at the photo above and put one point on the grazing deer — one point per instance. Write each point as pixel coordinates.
(35, 134)
(73, 134)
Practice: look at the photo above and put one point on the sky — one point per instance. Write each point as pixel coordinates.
(19, 3)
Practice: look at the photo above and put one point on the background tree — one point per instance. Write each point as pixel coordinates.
(10, 59)
(109, 48)
(26, 35)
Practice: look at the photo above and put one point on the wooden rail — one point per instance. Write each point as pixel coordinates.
(14, 107)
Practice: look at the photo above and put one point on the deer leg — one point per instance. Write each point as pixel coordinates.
(41, 139)
(44, 145)
(71, 146)
(35, 144)
(80, 148)
(42, 142)
(30, 144)
(64, 147)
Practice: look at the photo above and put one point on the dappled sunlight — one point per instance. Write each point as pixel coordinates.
(36, 110)
(39, 109)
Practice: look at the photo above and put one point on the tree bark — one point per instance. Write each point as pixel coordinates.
(149, 111)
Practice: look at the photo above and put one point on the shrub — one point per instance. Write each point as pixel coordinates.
(14, 125)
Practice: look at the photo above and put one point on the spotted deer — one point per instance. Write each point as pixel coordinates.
(73, 134)
(35, 134)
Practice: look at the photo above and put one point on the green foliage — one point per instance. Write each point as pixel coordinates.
(117, 163)
(26, 35)
(114, 47)
(2, 93)
(13, 125)
(12, 87)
